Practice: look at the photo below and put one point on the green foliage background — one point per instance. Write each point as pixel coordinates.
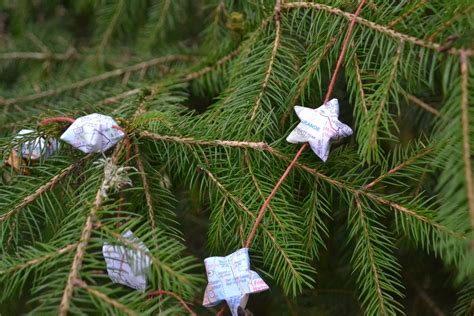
(205, 91)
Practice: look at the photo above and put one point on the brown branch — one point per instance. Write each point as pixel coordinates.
(376, 27)
(407, 13)
(192, 141)
(83, 242)
(41, 190)
(422, 104)
(95, 79)
(276, 44)
(451, 21)
(181, 301)
(36, 261)
(373, 266)
(205, 70)
(407, 162)
(121, 96)
(146, 187)
(83, 285)
(465, 132)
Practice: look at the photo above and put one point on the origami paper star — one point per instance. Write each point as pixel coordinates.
(35, 148)
(93, 133)
(126, 264)
(230, 279)
(319, 127)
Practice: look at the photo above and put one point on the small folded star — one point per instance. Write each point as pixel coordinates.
(319, 127)
(230, 279)
(93, 133)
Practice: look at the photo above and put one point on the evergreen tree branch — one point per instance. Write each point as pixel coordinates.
(41, 259)
(465, 138)
(206, 70)
(421, 104)
(307, 78)
(377, 27)
(371, 259)
(276, 44)
(83, 242)
(118, 97)
(70, 54)
(192, 141)
(95, 79)
(397, 168)
(146, 186)
(110, 28)
(360, 85)
(448, 23)
(41, 190)
(161, 19)
(179, 298)
(386, 94)
(83, 285)
(409, 12)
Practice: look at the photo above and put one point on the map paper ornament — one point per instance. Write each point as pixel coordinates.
(126, 264)
(93, 133)
(230, 279)
(319, 127)
(35, 148)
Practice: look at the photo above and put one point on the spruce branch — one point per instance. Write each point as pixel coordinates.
(41, 190)
(91, 80)
(196, 74)
(421, 103)
(276, 44)
(179, 298)
(146, 186)
(83, 285)
(400, 166)
(39, 260)
(465, 138)
(308, 75)
(407, 13)
(110, 28)
(68, 55)
(359, 83)
(371, 257)
(377, 27)
(452, 20)
(84, 241)
(192, 141)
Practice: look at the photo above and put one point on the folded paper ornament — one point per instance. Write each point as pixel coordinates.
(230, 279)
(128, 264)
(93, 133)
(319, 127)
(35, 148)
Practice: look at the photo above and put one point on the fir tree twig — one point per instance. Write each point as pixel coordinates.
(447, 24)
(83, 285)
(377, 27)
(276, 44)
(95, 79)
(465, 138)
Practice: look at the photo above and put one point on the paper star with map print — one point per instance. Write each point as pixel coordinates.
(319, 127)
(93, 133)
(230, 279)
(128, 264)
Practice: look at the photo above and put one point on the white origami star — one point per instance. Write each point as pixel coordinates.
(126, 264)
(319, 127)
(36, 148)
(93, 133)
(230, 279)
